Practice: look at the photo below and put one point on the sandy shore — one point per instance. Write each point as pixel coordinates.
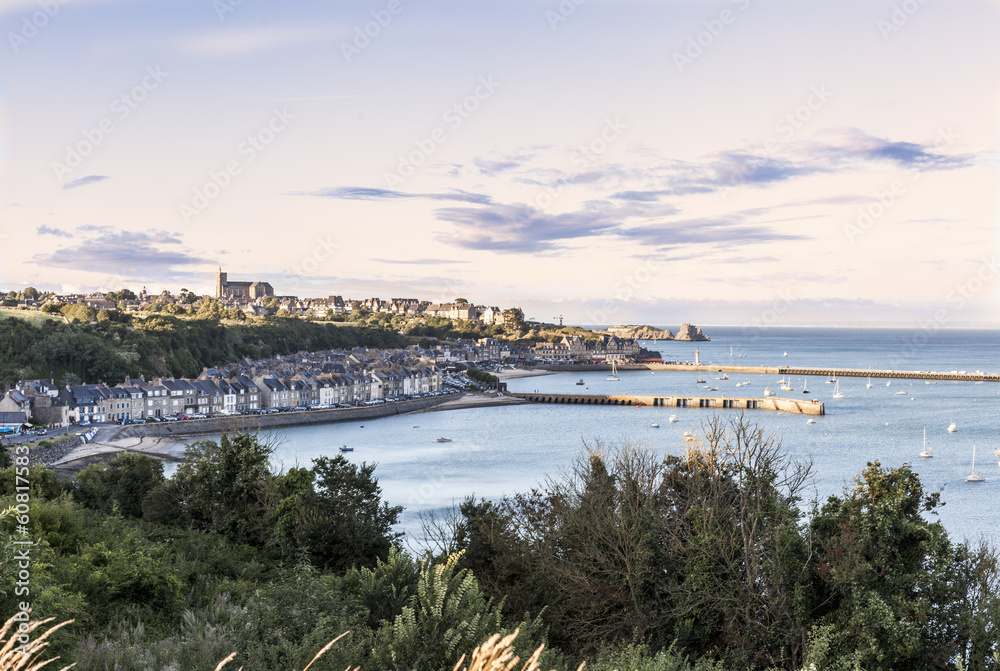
(474, 401)
(518, 373)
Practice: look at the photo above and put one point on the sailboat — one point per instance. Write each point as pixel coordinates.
(830, 379)
(888, 383)
(836, 390)
(805, 386)
(614, 372)
(926, 454)
(673, 418)
(870, 385)
(952, 428)
(974, 477)
(785, 354)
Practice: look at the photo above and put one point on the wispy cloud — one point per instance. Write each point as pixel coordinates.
(50, 230)
(243, 41)
(419, 262)
(123, 253)
(83, 181)
(363, 193)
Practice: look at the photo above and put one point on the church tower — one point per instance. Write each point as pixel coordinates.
(220, 283)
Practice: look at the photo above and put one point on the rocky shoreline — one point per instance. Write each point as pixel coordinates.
(686, 333)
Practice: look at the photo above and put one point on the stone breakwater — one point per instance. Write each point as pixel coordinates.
(201, 427)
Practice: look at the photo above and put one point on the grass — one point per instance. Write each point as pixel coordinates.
(495, 654)
(55, 441)
(33, 316)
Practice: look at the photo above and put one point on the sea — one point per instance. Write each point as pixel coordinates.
(499, 451)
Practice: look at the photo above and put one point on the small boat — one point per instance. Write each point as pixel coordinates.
(767, 392)
(830, 379)
(443, 440)
(836, 390)
(673, 418)
(655, 425)
(900, 393)
(974, 477)
(699, 381)
(805, 386)
(906, 464)
(870, 385)
(614, 372)
(785, 354)
(888, 383)
(926, 454)
(787, 386)
(952, 428)
(810, 421)
(581, 382)
(345, 448)
(930, 382)
(416, 426)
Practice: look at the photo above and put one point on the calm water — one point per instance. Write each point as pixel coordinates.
(498, 451)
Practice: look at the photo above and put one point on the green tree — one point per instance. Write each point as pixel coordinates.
(336, 516)
(888, 596)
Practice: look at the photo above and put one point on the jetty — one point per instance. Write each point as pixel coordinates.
(774, 403)
(958, 376)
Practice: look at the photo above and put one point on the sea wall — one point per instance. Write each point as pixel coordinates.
(196, 427)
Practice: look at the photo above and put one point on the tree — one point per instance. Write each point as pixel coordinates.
(30, 293)
(336, 516)
(224, 487)
(888, 596)
(121, 485)
(513, 318)
(120, 295)
(461, 300)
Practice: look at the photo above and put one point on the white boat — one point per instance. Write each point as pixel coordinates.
(810, 421)
(830, 379)
(900, 393)
(836, 390)
(673, 418)
(870, 385)
(655, 425)
(926, 454)
(614, 372)
(974, 477)
(930, 382)
(345, 448)
(787, 387)
(805, 386)
(767, 392)
(785, 354)
(888, 383)
(952, 428)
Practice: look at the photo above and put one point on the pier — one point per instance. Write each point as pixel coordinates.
(771, 403)
(783, 370)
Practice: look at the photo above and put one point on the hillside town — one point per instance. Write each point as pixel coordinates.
(258, 299)
(303, 381)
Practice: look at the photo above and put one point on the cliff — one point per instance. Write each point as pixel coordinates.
(639, 333)
(687, 332)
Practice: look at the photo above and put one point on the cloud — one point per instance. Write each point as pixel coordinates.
(58, 232)
(123, 253)
(725, 231)
(518, 228)
(364, 193)
(493, 166)
(83, 181)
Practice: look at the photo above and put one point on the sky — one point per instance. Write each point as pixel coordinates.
(610, 161)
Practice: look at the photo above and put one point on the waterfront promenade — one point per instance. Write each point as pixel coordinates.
(960, 376)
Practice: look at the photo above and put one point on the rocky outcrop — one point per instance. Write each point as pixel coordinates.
(640, 333)
(687, 333)
(690, 333)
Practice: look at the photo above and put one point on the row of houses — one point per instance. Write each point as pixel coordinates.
(138, 399)
(576, 348)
